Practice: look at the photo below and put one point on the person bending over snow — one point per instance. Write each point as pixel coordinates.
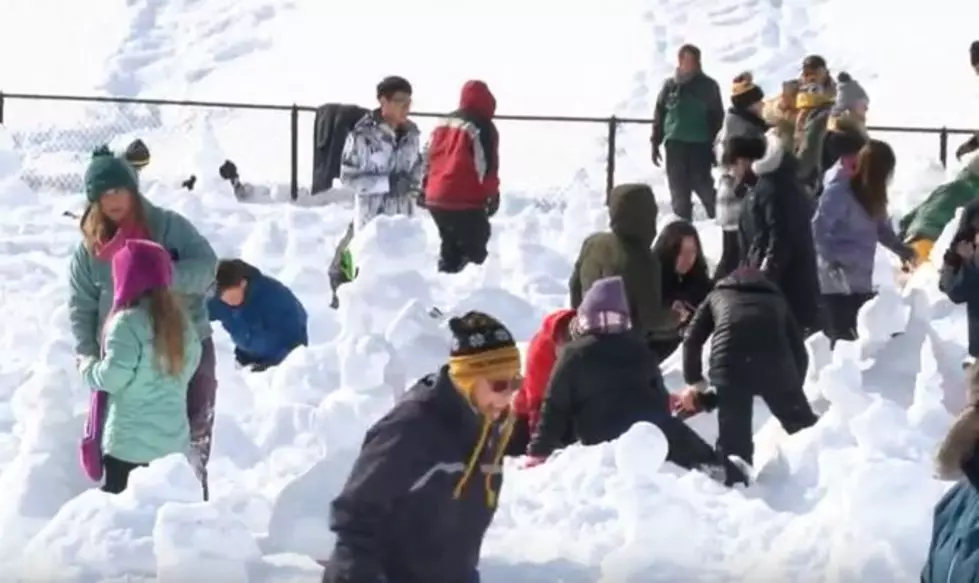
(685, 280)
(922, 226)
(423, 490)
(757, 349)
(959, 280)
(461, 185)
(606, 380)
(150, 353)
(265, 320)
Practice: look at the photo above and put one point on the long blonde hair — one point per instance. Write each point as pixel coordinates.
(98, 229)
(169, 330)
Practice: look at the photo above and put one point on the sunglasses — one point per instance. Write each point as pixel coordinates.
(507, 386)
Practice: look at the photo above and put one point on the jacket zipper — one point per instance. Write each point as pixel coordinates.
(951, 567)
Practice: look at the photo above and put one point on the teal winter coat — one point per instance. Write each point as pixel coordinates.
(90, 280)
(147, 415)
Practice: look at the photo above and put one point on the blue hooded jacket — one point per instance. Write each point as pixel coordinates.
(268, 325)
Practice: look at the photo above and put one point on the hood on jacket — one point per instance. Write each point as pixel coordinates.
(748, 279)
(632, 213)
(774, 155)
(477, 98)
(556, 324)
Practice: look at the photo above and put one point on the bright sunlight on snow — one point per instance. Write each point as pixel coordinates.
(849, 500)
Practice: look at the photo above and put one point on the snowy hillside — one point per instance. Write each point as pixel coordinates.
(849, 500)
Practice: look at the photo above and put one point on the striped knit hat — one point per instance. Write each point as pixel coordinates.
(744, 92)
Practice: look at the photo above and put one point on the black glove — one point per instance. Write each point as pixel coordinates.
(970, 145)
(657, 158)
(228, 171)
(492, 204)
(420, 199)
(189, 183)
(706, 401)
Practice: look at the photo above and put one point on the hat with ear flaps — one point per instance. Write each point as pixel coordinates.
(482, 348)
(106, 171)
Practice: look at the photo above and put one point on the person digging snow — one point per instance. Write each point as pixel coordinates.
(757, 349)
(922, 226)
(424, 489)
(685, 280)
(606, 380)
(117, 213)
(150, 354)
(959, 280)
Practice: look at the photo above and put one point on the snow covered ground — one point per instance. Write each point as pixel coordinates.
(848, 501)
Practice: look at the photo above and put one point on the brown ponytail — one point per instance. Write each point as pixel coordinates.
(168, 329)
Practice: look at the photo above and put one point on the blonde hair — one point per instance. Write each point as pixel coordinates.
(169, 329)
(97, 229)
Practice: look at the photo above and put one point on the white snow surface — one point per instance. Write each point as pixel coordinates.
(848, 500)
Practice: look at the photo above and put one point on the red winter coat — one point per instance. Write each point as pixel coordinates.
(541, 356)
(462, 161)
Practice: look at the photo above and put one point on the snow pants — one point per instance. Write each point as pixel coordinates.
(115, 477)
(465, 235)
(689, 451)
(688, 170)
(201, 396)
(735, 406)
(840, 315)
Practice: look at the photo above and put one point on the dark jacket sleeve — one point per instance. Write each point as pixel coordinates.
(660, 112)
(557, 409)
(592, 264)
(390, 462)
(959, 282)
(715, 108)
(700, 328)
(777, 253)
(797, 343)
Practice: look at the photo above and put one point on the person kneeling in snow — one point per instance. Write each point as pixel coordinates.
(265, 320)
(757, 349)
(150, 351)
(424, 488)
(461, 186)
(606, 380)
(922, 226)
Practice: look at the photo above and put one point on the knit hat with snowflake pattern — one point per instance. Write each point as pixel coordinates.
(482, 347)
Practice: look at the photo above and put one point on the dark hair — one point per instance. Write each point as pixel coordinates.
(231, 272)
(691, 50)
(875, 164)
(391, 85)
(667, 247)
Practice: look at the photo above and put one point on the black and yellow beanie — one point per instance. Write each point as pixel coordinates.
(482, 347)
(744, 92)
(106, 171)
(137, 154)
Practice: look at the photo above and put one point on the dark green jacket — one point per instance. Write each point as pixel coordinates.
(689, 111)
(928, 219)
(626, 252)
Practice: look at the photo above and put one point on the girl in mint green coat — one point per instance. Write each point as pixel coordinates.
(150, 351)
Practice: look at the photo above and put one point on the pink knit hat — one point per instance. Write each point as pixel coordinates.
(138, 267)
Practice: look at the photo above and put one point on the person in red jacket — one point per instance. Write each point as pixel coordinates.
(461, 186)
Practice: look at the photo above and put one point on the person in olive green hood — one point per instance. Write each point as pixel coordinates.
(689, 115)
(117, 213)
(921, 227)
(626, 252)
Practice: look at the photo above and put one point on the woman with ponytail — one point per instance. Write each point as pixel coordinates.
(150, 351)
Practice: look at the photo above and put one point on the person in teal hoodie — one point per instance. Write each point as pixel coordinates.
(150, 351)
(117, 213)
(265, 320)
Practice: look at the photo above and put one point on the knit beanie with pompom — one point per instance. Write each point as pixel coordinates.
(106, 171)
(744, 92)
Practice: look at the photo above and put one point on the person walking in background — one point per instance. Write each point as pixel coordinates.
(922, 226)
(265, 320)
(850, 220)
(774, 230)
(688, 116)
(743, 120)
(150, 353)
(757, 349)
(685, 280)
(626, 252)
(817, 95)
(461, 184)
(424, 489)
(117, 213)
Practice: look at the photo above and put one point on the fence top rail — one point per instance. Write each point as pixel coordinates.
(309, 108)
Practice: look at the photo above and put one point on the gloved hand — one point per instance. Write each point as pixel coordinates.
(967, 147)
(228, 171)
(657, 157)
(492, 204)
(419, 197)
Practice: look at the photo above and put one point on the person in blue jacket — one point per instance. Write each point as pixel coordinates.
(953, 554)
(263, 317)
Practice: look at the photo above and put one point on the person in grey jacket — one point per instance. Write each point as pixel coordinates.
(743, 120)
(850, 219)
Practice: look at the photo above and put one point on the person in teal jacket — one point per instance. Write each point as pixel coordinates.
(150, 352)
(922, 226)
(953, 555)
(117, 213)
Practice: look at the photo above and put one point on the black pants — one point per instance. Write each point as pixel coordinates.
(688, 170)
(520, 439)
(116, 472)
(730, 255)
(689, 451)
(735, 405)
(840, 315)
(465, 235)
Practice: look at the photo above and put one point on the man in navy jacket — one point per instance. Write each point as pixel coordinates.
(263, 317)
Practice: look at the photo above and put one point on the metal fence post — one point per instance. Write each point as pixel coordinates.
(294, 156)
(1, 107)
(613, 125)
(943, 146)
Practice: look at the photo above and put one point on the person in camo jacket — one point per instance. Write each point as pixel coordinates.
(816, 98)
(688, 116)
(117, 213)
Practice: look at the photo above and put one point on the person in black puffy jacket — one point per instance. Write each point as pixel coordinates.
(775, 231)
(606, 379)
(757, 349)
